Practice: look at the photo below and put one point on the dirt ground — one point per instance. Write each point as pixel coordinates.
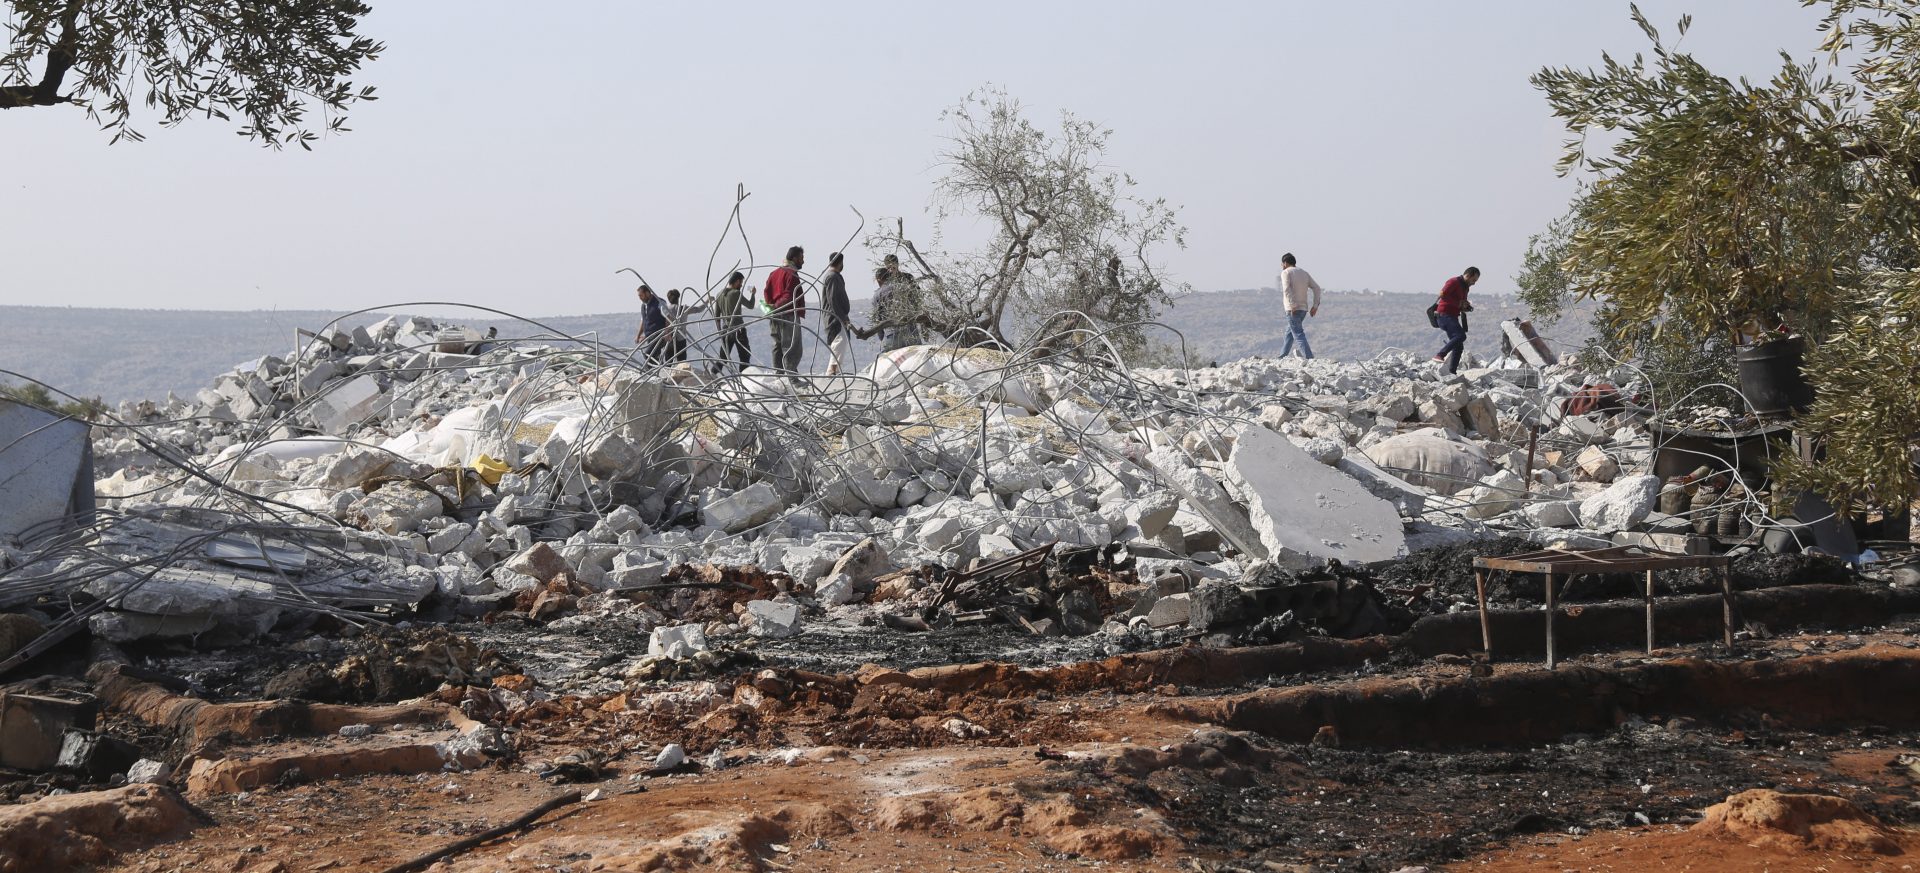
(1084, 781)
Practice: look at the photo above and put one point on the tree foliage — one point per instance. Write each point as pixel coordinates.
(1069, 234)
(1727, 208)
(267, 62)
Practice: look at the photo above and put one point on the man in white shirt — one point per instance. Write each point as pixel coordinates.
(1295, 284)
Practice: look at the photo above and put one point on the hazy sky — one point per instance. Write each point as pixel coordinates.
(521, 153)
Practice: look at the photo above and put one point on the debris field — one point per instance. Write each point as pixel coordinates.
(413, 597)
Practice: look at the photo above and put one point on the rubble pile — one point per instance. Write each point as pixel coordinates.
(413, 466)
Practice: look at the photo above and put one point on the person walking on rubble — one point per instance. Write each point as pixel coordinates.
(1450, 315)
(836, 310)
(787, 304)
(730, 325)
(677, 340)
(652, 336)
(1295, 287)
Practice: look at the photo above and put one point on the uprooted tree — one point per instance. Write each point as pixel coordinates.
(1069, 236)
(1728, 210)
(269, 62)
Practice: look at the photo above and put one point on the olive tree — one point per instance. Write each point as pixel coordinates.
(267, 62)
(1069, 236)
(1735, 209)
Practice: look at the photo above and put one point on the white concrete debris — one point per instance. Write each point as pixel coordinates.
(770, 618)
(678, 642)
(1306, 512)
(452, 466)
(1624, 504)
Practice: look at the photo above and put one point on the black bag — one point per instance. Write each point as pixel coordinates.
(1433, 315)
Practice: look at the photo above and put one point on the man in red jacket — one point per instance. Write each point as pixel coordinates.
(787, 299)
(1451, 313)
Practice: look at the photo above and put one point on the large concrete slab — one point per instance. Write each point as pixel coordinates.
(1306, 512)
(46, 471)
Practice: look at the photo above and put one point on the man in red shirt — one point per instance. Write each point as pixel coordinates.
(787, 299)
(1451, 313)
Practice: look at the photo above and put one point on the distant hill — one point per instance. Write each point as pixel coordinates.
(128, 354)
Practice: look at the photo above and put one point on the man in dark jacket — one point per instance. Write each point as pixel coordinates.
(836, 309)
(787, 299)
(1451, 314)
(728, 322)
(652, 338)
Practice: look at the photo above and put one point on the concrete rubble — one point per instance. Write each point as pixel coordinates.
(432, 468)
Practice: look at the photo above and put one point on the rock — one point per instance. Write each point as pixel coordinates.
(768, 618)
(356, 731)
(1499, 492)
(1204, 495)
(346, 404)
(1305, 512)
(396, 508)
(751, 506)
(538, 562)
(1324, 450)
(678, 642)
(1806, 822)
(1597, 465)
(941, 532)
(1481, 416)
(71, 831)
(1552, 513)
(148, 770)
(836, 590)
(863, 562)
(1151, 513)
(1621, 506)
(1171, 610)
(670, 757)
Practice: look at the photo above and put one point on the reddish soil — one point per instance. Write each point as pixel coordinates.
(1672, 848)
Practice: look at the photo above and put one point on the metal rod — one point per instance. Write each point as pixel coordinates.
(1649, 612)
(1552, 608)
(1486, 627)
(1533, 439)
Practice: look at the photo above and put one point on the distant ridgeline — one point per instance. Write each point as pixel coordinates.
(131, 354)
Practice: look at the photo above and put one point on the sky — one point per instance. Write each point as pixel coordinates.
(520, 154)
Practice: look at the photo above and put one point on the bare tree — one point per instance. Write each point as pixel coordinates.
(266, 61)
(1069, 234)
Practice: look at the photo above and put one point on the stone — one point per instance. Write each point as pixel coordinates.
(1324, 450)
(836, 590)
(865, 560)
(749, 507)
(1597, 465)
(678, 642)
(1431, 459)
(77, 830)
(1151, 512)
(1481, 416)
(396, 508)
(1622, 505)
(1499, 492)
(1552, 513)
(769, 618)
(1170, 610)
(1305, 512)
(346, 404)
(538, 562)
(940, 532)
(148, 770)
(1408, 498)
(670, 757)
(356, 731)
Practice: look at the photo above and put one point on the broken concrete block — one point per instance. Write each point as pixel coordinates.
(753, 505)
(1170, 610)
(768, 618)
(99, 756)
(1481, 416)
(397, 507)
(33, 727)
(346, 404)
(1152, 512)
(148, 770)
(1597, 465)
(1204, 495)
(1552, 513)
(1326, 451)
(1306, 513)
(678, 642)
(1624, 504)
(836, 590)
(1500, 491)
(863, 562)
(46, 471)
(1405, 496)
(538, 562)
(940, 532)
